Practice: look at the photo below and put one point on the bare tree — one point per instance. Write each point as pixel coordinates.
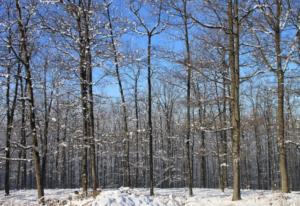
(233, 30)
(276, 17)
(123, 101)
(150, 31)
(25, 57)
(11, 106)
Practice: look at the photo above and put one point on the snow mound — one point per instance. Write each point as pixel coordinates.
(129, 197)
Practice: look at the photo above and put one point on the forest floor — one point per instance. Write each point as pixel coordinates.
(163, 197)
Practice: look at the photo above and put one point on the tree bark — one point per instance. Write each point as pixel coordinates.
(188, 98)
(258, 146)
(270, 152)
(25, 57)
(203, 160)
(136, 107)
(280, 98)
(47, 110)
(235, 113)
(9, 122)
(23, 133)
(150, 129)
(123, 101)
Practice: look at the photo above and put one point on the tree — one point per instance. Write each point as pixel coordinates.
(80, 19)
(188, 96)
(24, 57)
(233, 30)
(123, 101)
(47, 111)
(11, 106)
(150, 31)
(181, 10)
(95, 90)
(272, 16)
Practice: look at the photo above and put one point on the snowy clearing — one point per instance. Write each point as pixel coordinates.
(163, 197)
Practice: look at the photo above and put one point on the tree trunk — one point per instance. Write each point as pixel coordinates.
(9, 127)
(203, 160)
(85, 109)
(235, 113)
(258, 148)
(123, 101)
(64, 167)
(85, 65)
(47, 109)
(280, 99)
(23, 134)
(91, 100)
(26, 62)
(136, 106)
(151, 178)
(188, 98)
(10, 119)
(222, 151)
(270, 155)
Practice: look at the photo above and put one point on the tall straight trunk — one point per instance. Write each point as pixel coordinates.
(58, 126)
(245, 161)
(21, 175)
(223, 165)
(64, 167)
(44, 158)
(168, 116)
(203, 160)
(224, 136)
(280, 98)
(258, 148)
(23, 134)
(47, 109)
(136, 109)
(188, 98)
(92, 131)
(8, 134)
(86, 100)
(222, 151)
(235, 113)
(10, 116)
(162, 163)
(219, 161)
(151, 178)
(123, 102)
(270, 154)
(258, 152)
(19, 171)
(84, 170)
(9, 122)
(89, 75)
(35, 152)
(236, 133)
(150, 33)
(290, 126)
(85, 108)
(25, 56)
(224, 125)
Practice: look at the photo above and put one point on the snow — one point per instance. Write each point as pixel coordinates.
(63, 144)
(163, 197)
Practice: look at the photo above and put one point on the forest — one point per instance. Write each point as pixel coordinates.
(173, 96)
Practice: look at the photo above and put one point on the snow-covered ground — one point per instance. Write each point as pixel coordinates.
(163, 197)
